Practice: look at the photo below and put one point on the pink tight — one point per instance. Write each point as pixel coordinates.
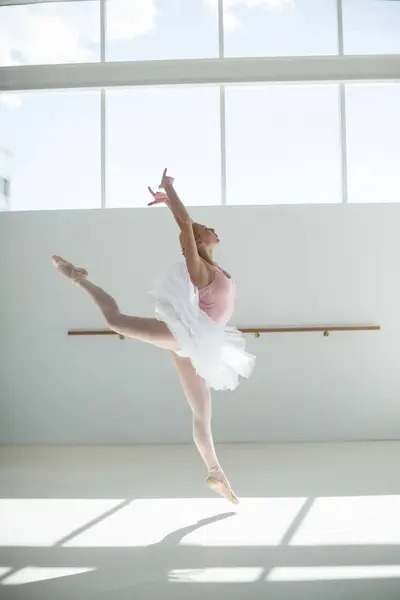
(157, 333)
(198, 395)
(147, 330)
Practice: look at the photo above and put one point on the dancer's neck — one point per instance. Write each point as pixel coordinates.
(206, 254)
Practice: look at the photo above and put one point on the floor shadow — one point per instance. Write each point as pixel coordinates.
(177, 536)
(151, 572)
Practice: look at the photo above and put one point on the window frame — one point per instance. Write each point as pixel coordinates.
(221, 71)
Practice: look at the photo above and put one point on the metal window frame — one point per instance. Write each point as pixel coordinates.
(103, 109)
(222, 106)
(338, 69)
(18, 2)
(303, 70)
(342, 107)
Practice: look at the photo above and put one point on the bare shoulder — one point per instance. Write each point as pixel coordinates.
(223, 271)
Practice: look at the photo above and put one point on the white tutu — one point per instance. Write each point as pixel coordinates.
(217, 352)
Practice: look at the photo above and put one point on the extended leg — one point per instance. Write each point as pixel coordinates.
(145, 329)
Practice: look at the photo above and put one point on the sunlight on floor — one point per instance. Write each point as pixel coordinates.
(43, 522)
(258, 522)
(351, 520)
(216, 575)
(221, 574)
(4, 570)
(283, 574)
(334, 573)
(106, 523)
(32, 574)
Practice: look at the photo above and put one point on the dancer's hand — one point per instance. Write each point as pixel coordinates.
(159, 197)
(166, 180)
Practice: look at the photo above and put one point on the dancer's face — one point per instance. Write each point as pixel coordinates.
(205, 235)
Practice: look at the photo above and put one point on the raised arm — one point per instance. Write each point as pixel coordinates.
(175, 204)
(196, 267)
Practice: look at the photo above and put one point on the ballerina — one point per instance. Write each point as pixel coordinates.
(194, 302)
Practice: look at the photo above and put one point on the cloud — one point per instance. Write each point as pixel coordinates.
(127, 19)
(232, 20)
(68, 32)
(263, 4)
(47, 33)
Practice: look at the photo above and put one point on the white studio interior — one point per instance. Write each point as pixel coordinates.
(280, 120)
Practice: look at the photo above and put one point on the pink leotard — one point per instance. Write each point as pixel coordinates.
(217, 299)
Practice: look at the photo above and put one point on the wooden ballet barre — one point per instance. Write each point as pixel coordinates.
(326, 329)
(256, 330)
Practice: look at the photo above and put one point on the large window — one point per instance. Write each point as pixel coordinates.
(371, 26)
(73, 31)
(245, 101)
(280, 27)
(373, 147)
(282, 145)
(53, 149)
(50, 33)
(161, 29)
(147, 127)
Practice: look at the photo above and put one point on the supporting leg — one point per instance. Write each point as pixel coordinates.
(198, 396)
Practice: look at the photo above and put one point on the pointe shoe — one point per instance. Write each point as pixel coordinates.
(222, 487)
(75, 274)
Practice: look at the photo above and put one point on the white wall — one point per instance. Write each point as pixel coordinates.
(293, 265)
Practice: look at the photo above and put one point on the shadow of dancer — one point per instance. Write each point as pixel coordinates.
(177, 536)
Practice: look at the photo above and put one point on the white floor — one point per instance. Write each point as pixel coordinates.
(315, 522)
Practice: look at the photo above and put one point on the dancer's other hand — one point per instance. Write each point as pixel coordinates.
(169, 197)
(166, 180)
(159, 197)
